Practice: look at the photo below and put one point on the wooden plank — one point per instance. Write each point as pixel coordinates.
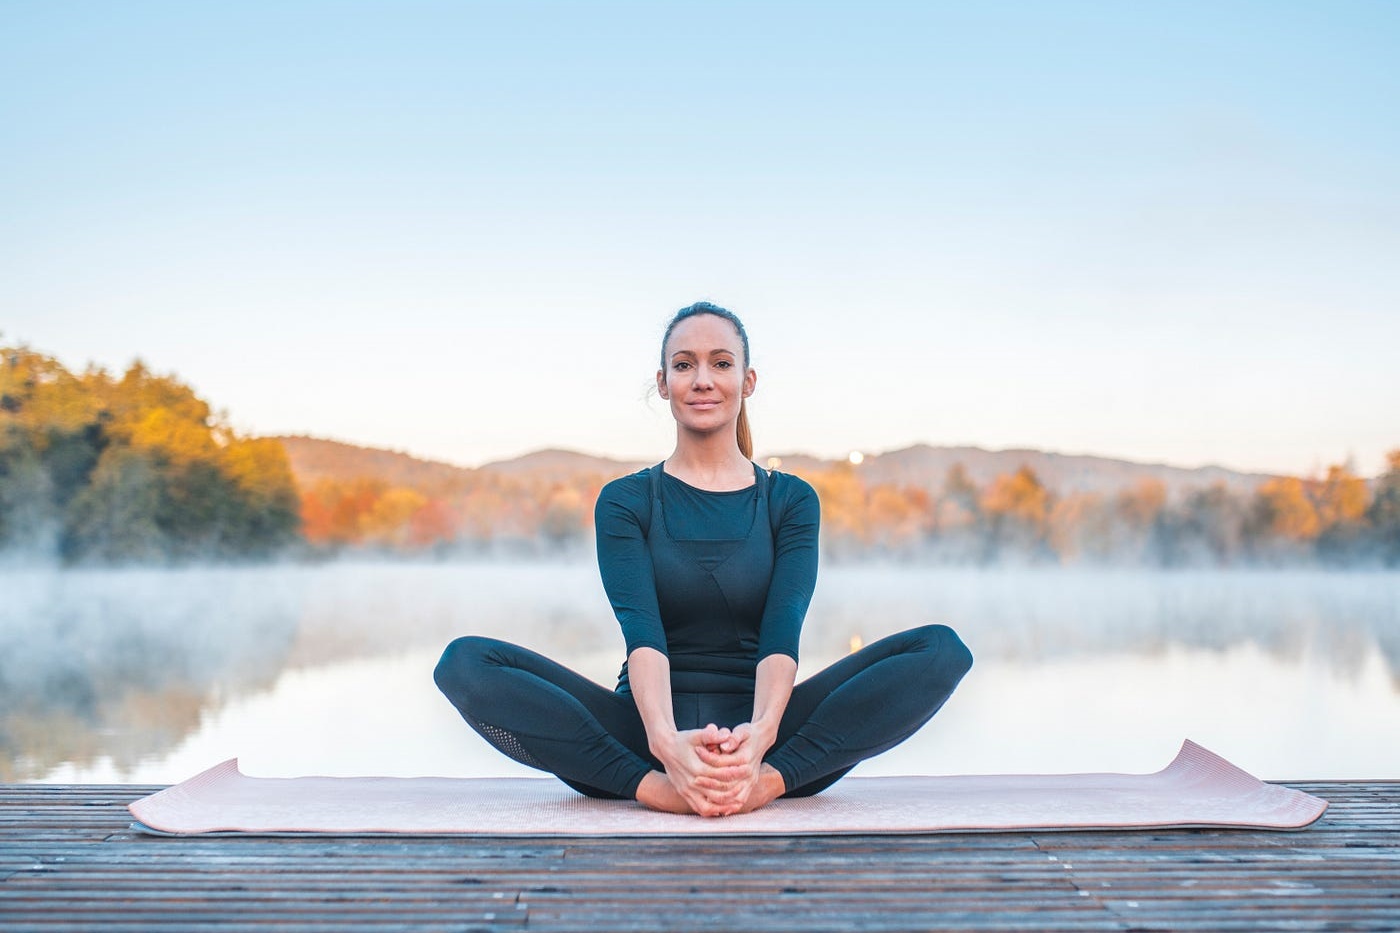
(68, 861)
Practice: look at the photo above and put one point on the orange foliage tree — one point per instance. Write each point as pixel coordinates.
(1284, 510)
(1341, 498)
(1017, 510)
(136, 468)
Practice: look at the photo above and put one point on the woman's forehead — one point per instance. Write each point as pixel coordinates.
(704, 333)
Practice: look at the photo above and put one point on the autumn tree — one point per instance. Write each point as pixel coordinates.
(1017, 509)
(567, 516)
(434, 526)
(338, 513)
(897, 518)
(388, 522)
(960, 499)
(844, 518)
(1079, 527)
(1341, 500)
(1136, 528)
(131, 469)
(1283, 522)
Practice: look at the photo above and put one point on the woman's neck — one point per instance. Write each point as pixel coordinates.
(718, 467)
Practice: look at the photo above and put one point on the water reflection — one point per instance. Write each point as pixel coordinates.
(120, 665)
(1038, 615)
(153, 675)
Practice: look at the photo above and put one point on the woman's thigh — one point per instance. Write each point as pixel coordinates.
(531, 671)
(939, 641)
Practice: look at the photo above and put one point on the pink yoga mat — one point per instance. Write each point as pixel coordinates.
(1198, 789)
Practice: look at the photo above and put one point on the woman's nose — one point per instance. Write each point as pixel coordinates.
(703, 377)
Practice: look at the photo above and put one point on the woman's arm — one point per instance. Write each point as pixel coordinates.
(741, 753)
(789, 594)
(794, 567)
(772, 688)
(680, 753)
(649, 674)
(624, 563)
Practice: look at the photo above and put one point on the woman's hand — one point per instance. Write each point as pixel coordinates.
(705, 786)
(743, 749)
(678, 751)
(715, 771)
(739, 757)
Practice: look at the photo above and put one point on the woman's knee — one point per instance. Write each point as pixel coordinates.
(454, 671)
(947, 648)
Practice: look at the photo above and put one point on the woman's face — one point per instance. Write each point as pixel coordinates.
(705, 378)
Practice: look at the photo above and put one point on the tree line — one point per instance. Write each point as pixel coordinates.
(138, 468)
(483, 513)
(1337, 519)
(96, 468)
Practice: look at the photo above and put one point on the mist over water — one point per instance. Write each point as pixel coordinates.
(153, 675)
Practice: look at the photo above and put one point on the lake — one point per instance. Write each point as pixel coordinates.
(154, 675)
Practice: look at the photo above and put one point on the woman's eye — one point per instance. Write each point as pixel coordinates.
(680, 365)
(723, 364)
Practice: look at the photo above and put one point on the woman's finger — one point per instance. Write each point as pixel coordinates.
(736, 738)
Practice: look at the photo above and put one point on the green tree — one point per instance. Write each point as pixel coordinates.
(113, 519)
(29, 522)
(1383, 515)
(1209, 527)
(137, 468)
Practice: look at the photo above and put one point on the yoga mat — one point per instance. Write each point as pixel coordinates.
(1198, 789)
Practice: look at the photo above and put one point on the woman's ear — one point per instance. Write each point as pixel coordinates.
(750, 381)
(661, 383)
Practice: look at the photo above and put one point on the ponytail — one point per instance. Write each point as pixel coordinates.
(745, 437)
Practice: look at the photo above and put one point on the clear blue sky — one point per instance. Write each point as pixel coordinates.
(1165, 232)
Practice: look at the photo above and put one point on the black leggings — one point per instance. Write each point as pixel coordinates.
(546, 716)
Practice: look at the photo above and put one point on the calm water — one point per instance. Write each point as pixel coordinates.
(152, 676)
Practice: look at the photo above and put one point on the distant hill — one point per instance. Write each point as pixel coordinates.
(927, 467)
(561, 463)
(314, 458)
(921, 466)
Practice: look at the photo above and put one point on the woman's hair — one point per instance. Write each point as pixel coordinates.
(744, 436)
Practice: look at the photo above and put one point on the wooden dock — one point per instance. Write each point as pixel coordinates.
(68, 861)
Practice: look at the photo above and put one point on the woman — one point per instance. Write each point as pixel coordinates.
(709, 563)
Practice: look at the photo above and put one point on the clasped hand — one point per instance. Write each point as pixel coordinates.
(716, 769)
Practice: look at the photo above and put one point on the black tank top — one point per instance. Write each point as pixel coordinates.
(704, 577)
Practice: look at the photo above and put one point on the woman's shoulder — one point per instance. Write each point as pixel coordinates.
(790, 489)
(631, 492)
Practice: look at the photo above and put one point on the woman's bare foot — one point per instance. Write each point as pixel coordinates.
(769, 788)
(657, 792)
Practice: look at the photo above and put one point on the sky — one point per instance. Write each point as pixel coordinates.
(1160, 232)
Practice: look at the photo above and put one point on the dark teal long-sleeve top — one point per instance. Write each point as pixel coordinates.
(716, 581)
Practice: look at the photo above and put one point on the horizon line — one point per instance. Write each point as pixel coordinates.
(866, 455)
